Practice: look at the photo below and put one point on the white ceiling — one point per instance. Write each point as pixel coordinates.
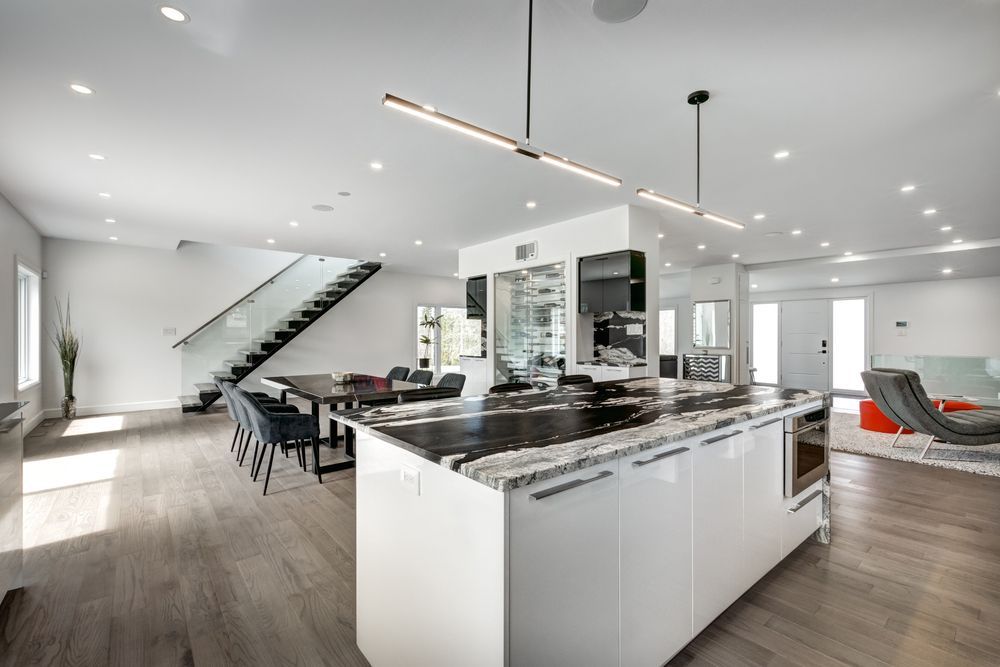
(223, 129)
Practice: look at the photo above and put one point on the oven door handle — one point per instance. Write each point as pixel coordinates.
(811, 427)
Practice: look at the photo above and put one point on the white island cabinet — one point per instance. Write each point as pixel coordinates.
(618, 563)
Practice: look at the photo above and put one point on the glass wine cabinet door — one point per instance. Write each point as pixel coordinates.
(530, 314)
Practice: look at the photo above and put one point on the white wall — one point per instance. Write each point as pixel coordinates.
(946, 317)
(124, 296)
(18, 240)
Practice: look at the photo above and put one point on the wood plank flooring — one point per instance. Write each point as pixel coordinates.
(147, 545)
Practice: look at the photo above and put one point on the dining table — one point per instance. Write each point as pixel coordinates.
(320, 389)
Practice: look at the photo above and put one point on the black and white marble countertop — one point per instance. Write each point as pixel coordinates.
(506, 441)
(7, 409)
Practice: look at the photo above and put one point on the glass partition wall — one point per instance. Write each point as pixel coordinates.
(530, 314)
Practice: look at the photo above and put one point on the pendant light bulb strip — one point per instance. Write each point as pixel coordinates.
(577, 168)
(467, 129)
(687, 208)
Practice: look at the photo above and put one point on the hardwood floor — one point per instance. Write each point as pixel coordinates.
(147, 545)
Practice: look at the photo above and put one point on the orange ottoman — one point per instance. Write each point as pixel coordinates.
(872, 418)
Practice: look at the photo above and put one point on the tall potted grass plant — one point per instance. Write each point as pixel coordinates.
(67, 345)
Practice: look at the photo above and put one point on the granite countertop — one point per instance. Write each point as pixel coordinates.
(7, 409)
(605, 362)
(509, 441)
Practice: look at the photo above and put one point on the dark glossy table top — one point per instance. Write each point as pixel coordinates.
(320, 387)
(7, 409)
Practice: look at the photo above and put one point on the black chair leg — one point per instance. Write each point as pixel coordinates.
(246, 446)
(299, 455)
(235, 435)
(253, 459)
(316, 466)
(267, 478)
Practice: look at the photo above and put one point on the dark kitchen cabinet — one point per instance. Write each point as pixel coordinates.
(615, 281)
(475, 298)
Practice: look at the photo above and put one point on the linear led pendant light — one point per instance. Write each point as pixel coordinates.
(696, 98)
(431, 114)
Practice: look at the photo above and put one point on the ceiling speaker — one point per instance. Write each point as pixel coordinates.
(618, 11)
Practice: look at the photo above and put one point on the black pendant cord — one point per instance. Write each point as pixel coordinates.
(697, 199)
(527, 121)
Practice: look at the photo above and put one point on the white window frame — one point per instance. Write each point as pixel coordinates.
(436, 309)
(27, 304)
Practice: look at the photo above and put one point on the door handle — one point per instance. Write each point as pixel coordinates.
(767, 423)
(719, 438)
(545, 493)
(808, 499)
(660, 457)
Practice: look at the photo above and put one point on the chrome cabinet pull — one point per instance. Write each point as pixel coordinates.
(569, 485)
(717, 438)
(767, 423)
(660, 457)
(811, 497)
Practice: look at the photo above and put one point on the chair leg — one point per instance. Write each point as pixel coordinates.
(236, 434)
(299, 456)
(253, 459)
(316, 467)
(267, 478)
(246, 446)
(894, 440)
(930, 441)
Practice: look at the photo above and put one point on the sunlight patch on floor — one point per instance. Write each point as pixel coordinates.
(94, 425)
(62, 471)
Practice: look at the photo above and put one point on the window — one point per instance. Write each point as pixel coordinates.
(764, 343)
(456, 336)
(848, 338)
(668, 332)
(28, 338)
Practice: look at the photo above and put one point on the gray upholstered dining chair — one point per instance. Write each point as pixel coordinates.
(270, 404)
(508, 387)
(429, 394)
(231, 407)
(277, 428)
(453, 381)
(420, 377)
(580, 378)
(901, 397)
(397, 373)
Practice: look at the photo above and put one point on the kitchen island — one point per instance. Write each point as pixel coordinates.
(597, 524)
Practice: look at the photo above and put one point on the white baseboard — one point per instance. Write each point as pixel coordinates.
(90, 410)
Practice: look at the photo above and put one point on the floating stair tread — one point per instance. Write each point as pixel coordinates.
(206, 387)
(190, 403)
(223, 375)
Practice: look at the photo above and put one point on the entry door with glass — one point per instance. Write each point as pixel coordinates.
(805, 344)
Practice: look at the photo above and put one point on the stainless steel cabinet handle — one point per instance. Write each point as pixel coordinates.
(811, 497)
(660, 457)
(569, 485)
(767, 423)
(717, 438)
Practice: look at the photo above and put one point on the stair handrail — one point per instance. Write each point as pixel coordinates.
(264, 284)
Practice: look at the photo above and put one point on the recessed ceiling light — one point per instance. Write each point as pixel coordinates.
(824, 244)
(418, 242)
(736, 255)
(104, 195)
(759, 216)
(946, 271)
(753, 286)
(530, 204)
(293, 223)
(455, 274)
(174, 14)
(110, 221)
(271, 241)
(80, 88)
(930, 211)
(946, 228)
(781, 155)
(95, 156)
(112, 238)
(344, 193)
(376, 166)
(957, 241)
(666, 264)
(381, 254)
(325, 208)
(908, 188)
(524, 271)
(848, 253)
(796, 232)
(834, 280)
(659, 236)
(701, 246)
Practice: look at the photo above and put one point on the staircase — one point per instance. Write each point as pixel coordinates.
(241, 338)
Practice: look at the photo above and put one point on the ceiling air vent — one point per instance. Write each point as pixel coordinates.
(526, 251)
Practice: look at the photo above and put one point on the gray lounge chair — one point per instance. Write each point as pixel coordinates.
(902, 398)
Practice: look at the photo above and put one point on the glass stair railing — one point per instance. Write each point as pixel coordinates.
(248, 333)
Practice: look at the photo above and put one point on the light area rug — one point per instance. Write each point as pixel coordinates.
(847, 436)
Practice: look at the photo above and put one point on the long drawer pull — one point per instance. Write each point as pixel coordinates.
(569, 485)
(811, 497)
(717, 438)
(767, 423)
(660, 457)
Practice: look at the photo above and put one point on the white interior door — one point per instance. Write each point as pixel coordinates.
(805, 344)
